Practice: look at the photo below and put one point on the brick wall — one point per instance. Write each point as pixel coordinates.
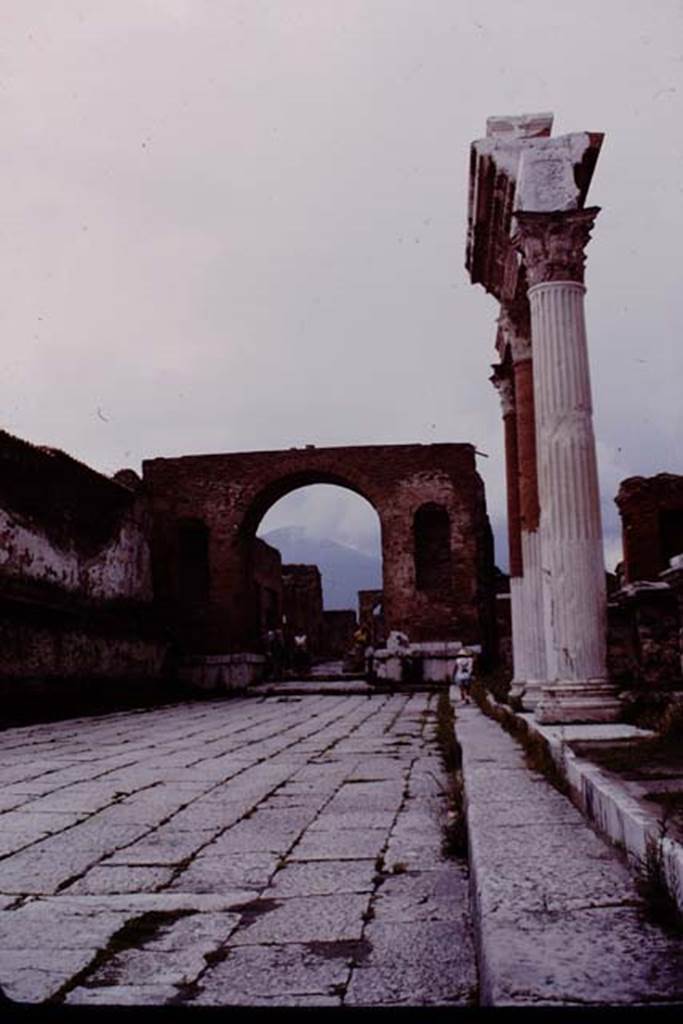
(338, 629)
(651, 510)
(75, 574)
(231, 493)
(303, 604)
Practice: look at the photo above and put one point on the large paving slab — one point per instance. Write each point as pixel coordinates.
(256, 851)
(560, 919)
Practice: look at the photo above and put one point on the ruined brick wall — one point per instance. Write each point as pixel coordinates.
(338, 629)
(371, 615)
(303, 604)
(643, 641)
(267, 575)
(231, 494)
(644, 622)
(75, 572)
(651, 510)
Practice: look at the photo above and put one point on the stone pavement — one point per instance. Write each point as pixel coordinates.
(279, 851)
(559, 918)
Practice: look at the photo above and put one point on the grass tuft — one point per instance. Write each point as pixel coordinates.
(661, 904)
(537, 753)
(455, 830)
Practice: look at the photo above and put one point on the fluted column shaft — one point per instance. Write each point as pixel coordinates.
(572, 560)
(571, 531)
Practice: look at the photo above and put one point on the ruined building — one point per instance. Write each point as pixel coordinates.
(109, 583)
(528, 228)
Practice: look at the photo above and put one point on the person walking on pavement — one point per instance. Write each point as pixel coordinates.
(462, 675)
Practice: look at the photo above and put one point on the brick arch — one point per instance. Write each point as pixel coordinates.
(232, 492)
(280, 487)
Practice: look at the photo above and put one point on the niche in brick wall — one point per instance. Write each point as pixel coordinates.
(432, 546)
(193, 562)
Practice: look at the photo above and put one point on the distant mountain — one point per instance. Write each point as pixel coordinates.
(344, 570)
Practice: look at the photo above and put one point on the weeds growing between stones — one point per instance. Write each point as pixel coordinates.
(537, 753)
(662, 904)
(455, 831)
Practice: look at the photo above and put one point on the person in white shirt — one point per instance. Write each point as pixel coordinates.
(462, 675)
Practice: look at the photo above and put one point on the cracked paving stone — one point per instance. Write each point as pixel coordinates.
(13, 842)
(575, 972)
(347, 800)
(552, 810)
(132, 904)
(207, 815)
(323, 878)
(436, 895)
(306, 919)
(413, 853)
(122, 995)
(268, 818)
(507, 787)
(47, 822)
(88, 798)
(246, 838)
(211, 873)
(148, 967)
(40, 925)
(165, 846)
(33, 872)
(120, 879)
(546, 878)
(348, 821)
(203, 931)
(34, 984)
(443, 973)
(271, 971)
(333, 780)
(356, 845)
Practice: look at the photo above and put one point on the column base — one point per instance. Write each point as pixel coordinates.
(594, 700)
(517, 689)
(532, 694)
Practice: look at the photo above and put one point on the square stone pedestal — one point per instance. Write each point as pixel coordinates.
(222, 672)
(436, 660)
(579, 702)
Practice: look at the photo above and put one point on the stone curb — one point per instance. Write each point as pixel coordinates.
(545, 936)
(614, 813)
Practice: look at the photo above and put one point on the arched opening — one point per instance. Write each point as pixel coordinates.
(432, 548)
(328, 538)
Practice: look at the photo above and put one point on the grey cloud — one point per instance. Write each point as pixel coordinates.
(241, 225)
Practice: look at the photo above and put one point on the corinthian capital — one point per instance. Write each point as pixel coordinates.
(552, 244)
(505, 388)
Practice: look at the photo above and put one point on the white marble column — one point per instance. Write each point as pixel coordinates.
(572, 560)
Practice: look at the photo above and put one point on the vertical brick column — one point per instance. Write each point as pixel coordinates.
(503, 383)
(517, 328)
(572, 560)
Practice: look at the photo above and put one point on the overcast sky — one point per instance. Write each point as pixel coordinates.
(239, 224)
